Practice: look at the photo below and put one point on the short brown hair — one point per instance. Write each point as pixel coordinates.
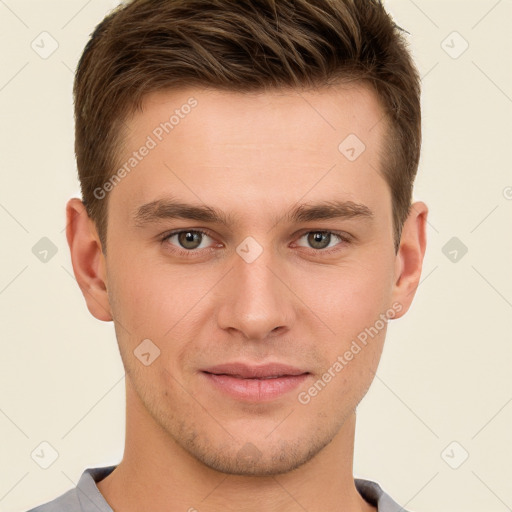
(146, 46)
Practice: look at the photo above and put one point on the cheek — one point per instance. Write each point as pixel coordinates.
(136, 295)
(349, 299)
(152, 300)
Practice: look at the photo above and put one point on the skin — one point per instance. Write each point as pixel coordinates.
(253, 156)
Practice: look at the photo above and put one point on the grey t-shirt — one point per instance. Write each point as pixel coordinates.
(86, 497)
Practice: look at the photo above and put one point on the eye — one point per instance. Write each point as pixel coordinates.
(321, 240)
(192, 242)
(188, 240)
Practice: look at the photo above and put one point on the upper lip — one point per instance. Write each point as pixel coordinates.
(246, 371)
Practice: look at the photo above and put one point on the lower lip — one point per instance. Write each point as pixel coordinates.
(255, 390)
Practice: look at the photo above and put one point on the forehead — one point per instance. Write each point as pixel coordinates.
(213, 146)
(250, 119)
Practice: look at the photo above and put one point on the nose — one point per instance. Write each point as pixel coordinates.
(255, 300)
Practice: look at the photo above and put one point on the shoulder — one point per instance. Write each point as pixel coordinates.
(85, 497)
(67, 502)
(373, 493)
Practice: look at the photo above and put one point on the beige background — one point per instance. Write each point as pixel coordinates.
(445, 374)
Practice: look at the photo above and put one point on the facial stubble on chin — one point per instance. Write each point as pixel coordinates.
(245, 458)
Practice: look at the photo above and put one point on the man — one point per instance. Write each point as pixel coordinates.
(246, 223)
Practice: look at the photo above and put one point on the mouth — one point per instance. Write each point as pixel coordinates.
(254, 383)
(252, 378)
(246, 371)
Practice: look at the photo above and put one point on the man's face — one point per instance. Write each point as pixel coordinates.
(262, 288)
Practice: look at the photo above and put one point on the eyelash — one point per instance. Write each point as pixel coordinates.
(344, 240)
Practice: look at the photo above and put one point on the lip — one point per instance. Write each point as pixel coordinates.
(254, 383)
(246, 371)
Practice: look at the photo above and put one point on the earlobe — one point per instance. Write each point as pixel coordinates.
(88, 260)
(409, 259)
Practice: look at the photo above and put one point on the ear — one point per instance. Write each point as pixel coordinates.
(409, 259)
(88, 260)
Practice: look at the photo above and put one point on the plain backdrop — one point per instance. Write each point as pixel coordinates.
(435, 428)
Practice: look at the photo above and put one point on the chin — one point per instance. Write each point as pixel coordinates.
(252, 460)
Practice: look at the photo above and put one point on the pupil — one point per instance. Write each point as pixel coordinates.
(317, 238)
(189, 237)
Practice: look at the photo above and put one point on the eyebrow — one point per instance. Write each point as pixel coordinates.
(165, 209)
